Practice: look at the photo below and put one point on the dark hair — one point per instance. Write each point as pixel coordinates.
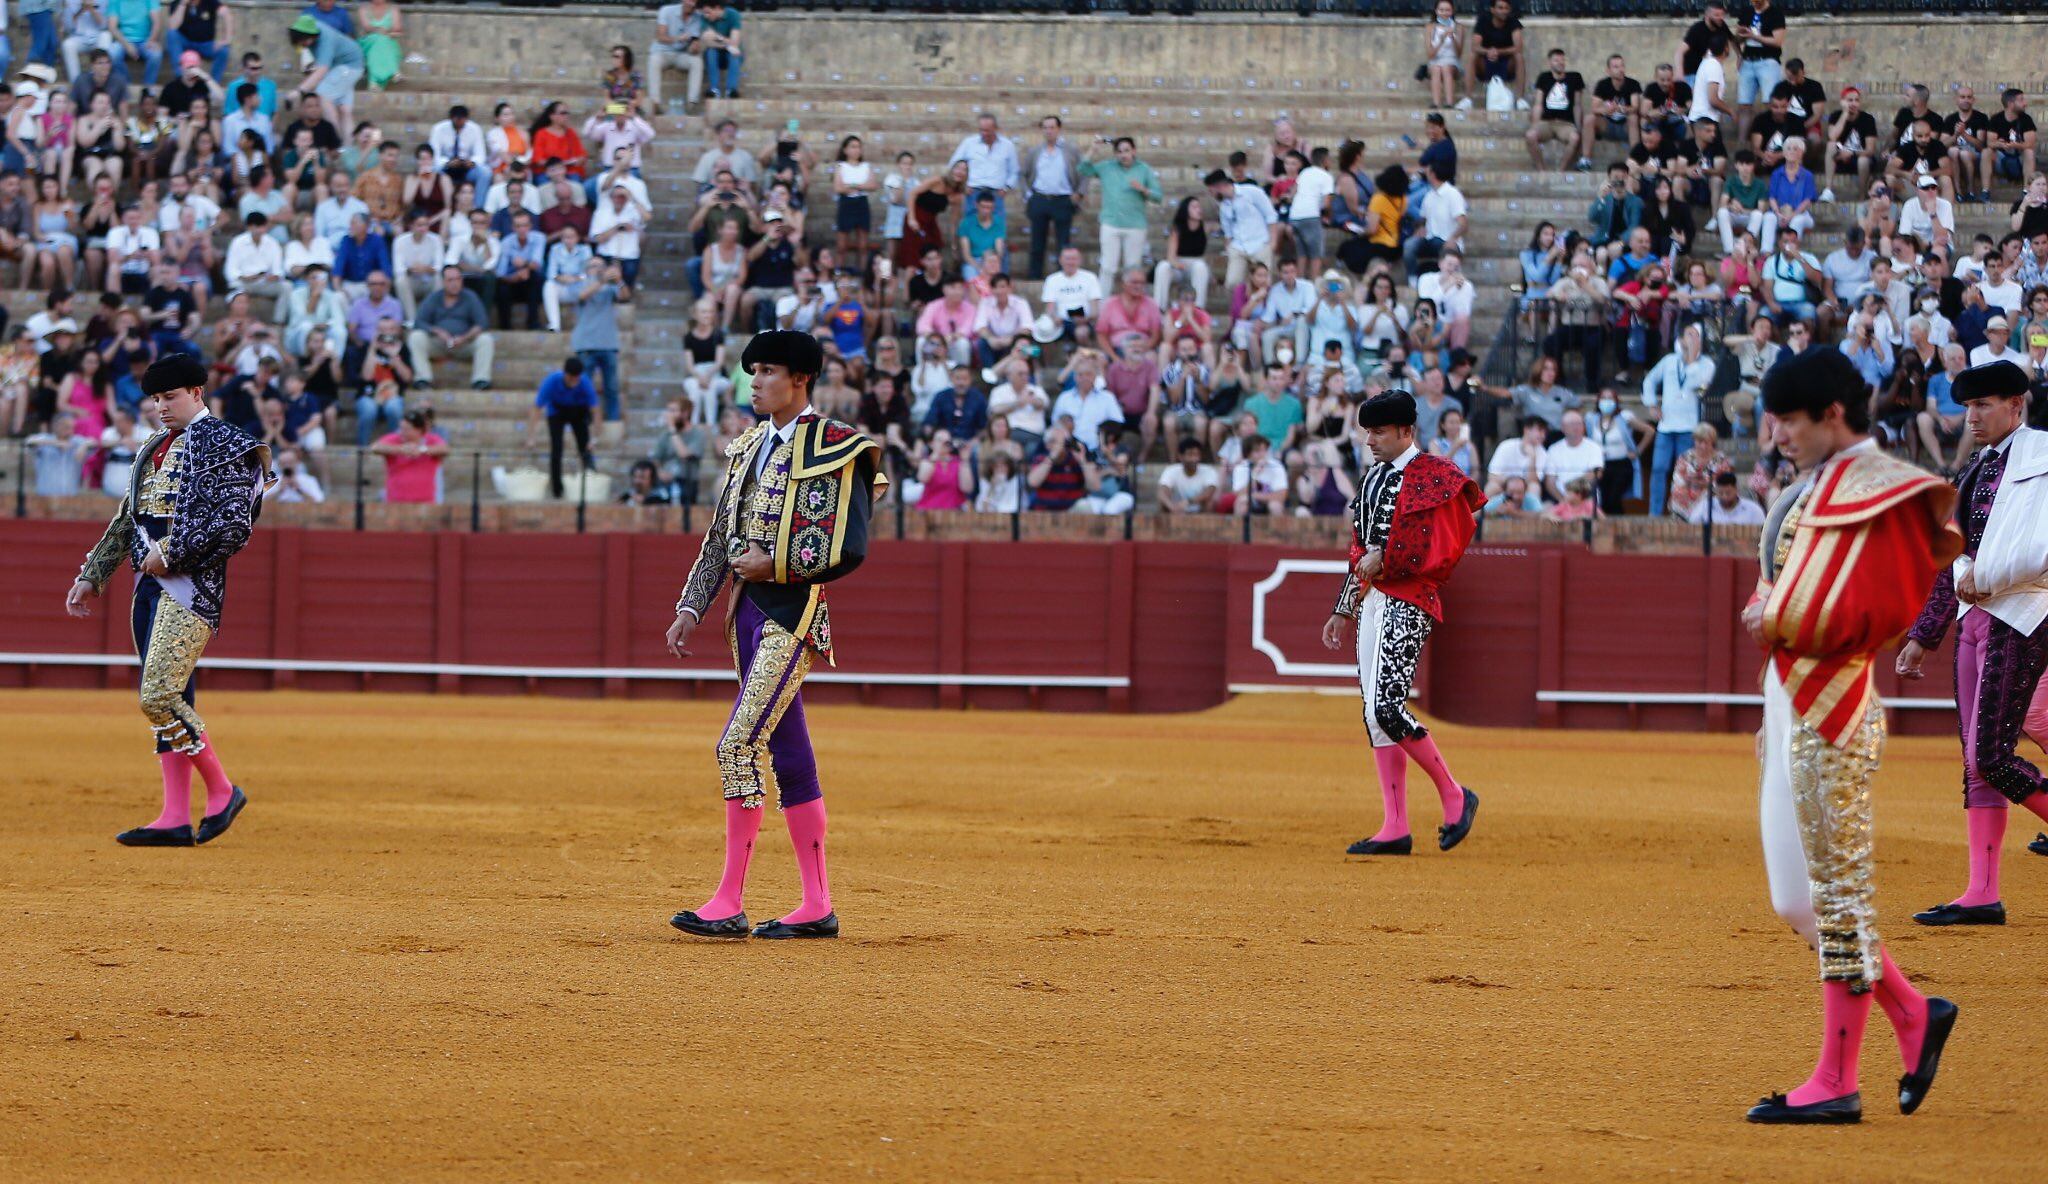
(1216, 177)
(458, 111)
(246, 90)
(628, 51)
(1180, 212)
(1187, 442)
(1392, 181)
(572, 365)
(1056, 120)
(849, 140)
(419, 419)
(1745, 156)
(1536, 237)
(1122, 140)
(1813, 381)
(1238, 158)
(1348, 153)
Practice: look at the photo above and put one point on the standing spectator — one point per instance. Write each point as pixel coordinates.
(453, 324)
(565, 401)
(1052, 180)
(337, 67)
(853, 178)
(1710, 86)
(678, 43)
(1128, 185)
(1762, 34)
(1309, 206)
(596, 337)
(1712, 27)
(1554, 115)
(1251, 229)
(1496, 50)
(412, 461)
(1622, 438)
(991, 162)
(1674, 389)
(383, 54)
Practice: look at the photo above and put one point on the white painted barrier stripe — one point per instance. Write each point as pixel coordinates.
(311, 665)
(1703, 698)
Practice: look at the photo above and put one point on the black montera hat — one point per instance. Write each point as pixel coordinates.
(1393, 409)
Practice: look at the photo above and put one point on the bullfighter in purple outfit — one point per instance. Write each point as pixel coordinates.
(2000, 588)
(792, 516)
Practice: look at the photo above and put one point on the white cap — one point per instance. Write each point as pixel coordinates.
(1927, 181)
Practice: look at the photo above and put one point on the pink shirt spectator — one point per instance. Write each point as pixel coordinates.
(942, 492)
(1118, 318)
(1006, 321)
(946, 320)
(606, 136)
(1132, 383)
(410, 478)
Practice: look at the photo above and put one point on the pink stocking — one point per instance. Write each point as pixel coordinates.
(807, 835)
(177, 769)
(741, 827)
(1987, 833)
(1423, 749)
(1392, 763)
(218, 788)
(1843, 1016)
(1905, 1007)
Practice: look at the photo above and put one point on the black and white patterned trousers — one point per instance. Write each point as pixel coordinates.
(1390, 637)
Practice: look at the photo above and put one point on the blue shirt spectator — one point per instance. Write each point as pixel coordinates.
(557, 393)
(571, 261)
(334, 16)
(1794, 193)
(355, 258)
(512, 252)
(1441, 156)
(962, 413)
(1873, 358)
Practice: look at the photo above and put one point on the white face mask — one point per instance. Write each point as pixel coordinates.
(1607, 406)
(1929, 305)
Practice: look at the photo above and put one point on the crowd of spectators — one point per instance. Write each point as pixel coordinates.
(1230, 350)
(326, 274)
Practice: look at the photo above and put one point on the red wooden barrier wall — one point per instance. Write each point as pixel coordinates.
(1182, 624)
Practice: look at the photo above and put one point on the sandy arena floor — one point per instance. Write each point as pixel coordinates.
(1100, 948)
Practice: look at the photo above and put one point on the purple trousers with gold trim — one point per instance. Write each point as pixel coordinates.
(1998, 698)
(766, 741)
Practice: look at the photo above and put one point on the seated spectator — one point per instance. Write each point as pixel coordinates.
(952, 320)
(1755, 353)
(1792, 193)
(678, 40)
(1572, 457)
(1000, 321)
(1496, 49)
(1997, 345)
(1279, 414)
(1516, 497)
(1190, 486)
(1791, 278)
(1727, 507)
(412, 461)
(1693, 475)
(452, 324)
(1851, 143)
(1324, 489)
(1088, 403)
(360, 255)
(255, 262)
(1524, 458)
(475, 253)
(1258, 482)
(1062, 472)
(1001, 489)
(945, 478)
(1133, 377)
(1576, 503)
(618, 223)
(1020, 402)
(960, 410)
(521, 257)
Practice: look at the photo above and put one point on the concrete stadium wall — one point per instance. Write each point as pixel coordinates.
(539, 44)
(1112, 626)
